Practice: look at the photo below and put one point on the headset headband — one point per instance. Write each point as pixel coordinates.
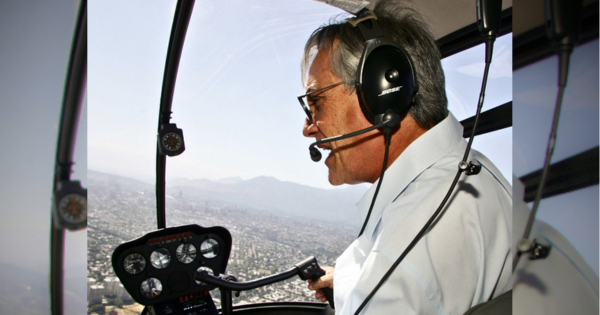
(368, 33)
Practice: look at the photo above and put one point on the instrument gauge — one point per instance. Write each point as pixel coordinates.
(208, 270)
(69, 206)
(73, 208)
(186, 253)
(151, 288)
(210, 248)
(160, 258)
(172, 141)
(134, 263)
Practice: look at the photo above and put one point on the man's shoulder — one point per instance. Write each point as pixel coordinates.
(486, 196)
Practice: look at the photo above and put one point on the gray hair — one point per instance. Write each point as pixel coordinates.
(405, 28)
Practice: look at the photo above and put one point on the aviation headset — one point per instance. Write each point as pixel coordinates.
(385, 77)
(385, 81)
(385, 86)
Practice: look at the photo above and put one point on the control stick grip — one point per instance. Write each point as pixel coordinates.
(309, 269)
(329, 295)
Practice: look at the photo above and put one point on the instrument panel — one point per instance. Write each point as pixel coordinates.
(160, 265)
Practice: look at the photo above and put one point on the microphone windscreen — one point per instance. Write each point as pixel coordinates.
(315, 154)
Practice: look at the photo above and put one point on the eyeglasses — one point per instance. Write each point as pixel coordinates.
(307, 110)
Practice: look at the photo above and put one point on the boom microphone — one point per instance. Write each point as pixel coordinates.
(388, 120)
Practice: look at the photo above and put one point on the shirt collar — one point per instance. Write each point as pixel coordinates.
(430, 147)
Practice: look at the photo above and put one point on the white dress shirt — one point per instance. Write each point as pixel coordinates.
(464, 258)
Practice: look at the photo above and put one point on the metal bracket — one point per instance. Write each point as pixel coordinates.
(474, 168)
(539, 251)
(369, 30)
(536, 250)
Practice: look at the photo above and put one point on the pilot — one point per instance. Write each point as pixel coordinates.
(464, 258)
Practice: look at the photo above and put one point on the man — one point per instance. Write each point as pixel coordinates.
(464, 258)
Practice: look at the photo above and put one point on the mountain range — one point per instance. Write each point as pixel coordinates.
(261, 193)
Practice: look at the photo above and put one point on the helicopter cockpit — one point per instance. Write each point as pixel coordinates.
(171, 144)
(154, 268)
(239, 58)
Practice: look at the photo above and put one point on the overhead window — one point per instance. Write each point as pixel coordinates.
(464, 74)
(574, 214)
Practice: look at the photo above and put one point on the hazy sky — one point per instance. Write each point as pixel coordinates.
(36, 39)
(236, 90)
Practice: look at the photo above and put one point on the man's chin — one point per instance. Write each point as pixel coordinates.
(334, 180)
(335, 183)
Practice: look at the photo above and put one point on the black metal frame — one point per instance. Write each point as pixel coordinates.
(577, 172)
(281, 308)
(183, 13)
(73, 95)
(497, 118)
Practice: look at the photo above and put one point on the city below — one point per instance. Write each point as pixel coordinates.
(264, 241)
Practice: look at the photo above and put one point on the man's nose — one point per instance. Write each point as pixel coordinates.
(310, 129)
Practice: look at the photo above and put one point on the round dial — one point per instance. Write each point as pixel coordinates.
(160, 258)
(73, 208)
(171, 141)
(210, 248)
(151, 288)
(208, 270)
(186, 253)
(134, 263)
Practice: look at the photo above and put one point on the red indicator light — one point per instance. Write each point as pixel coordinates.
(150, 241)
(168, 238)
(162, 239)
(178, 235)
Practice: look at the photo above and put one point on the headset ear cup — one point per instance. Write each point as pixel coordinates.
(385, 80)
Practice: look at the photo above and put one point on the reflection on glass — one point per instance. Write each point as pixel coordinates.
(134, 263)
(160, 258)
(210, 248)
(208, 270)
(186, 253)
(151, 288)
